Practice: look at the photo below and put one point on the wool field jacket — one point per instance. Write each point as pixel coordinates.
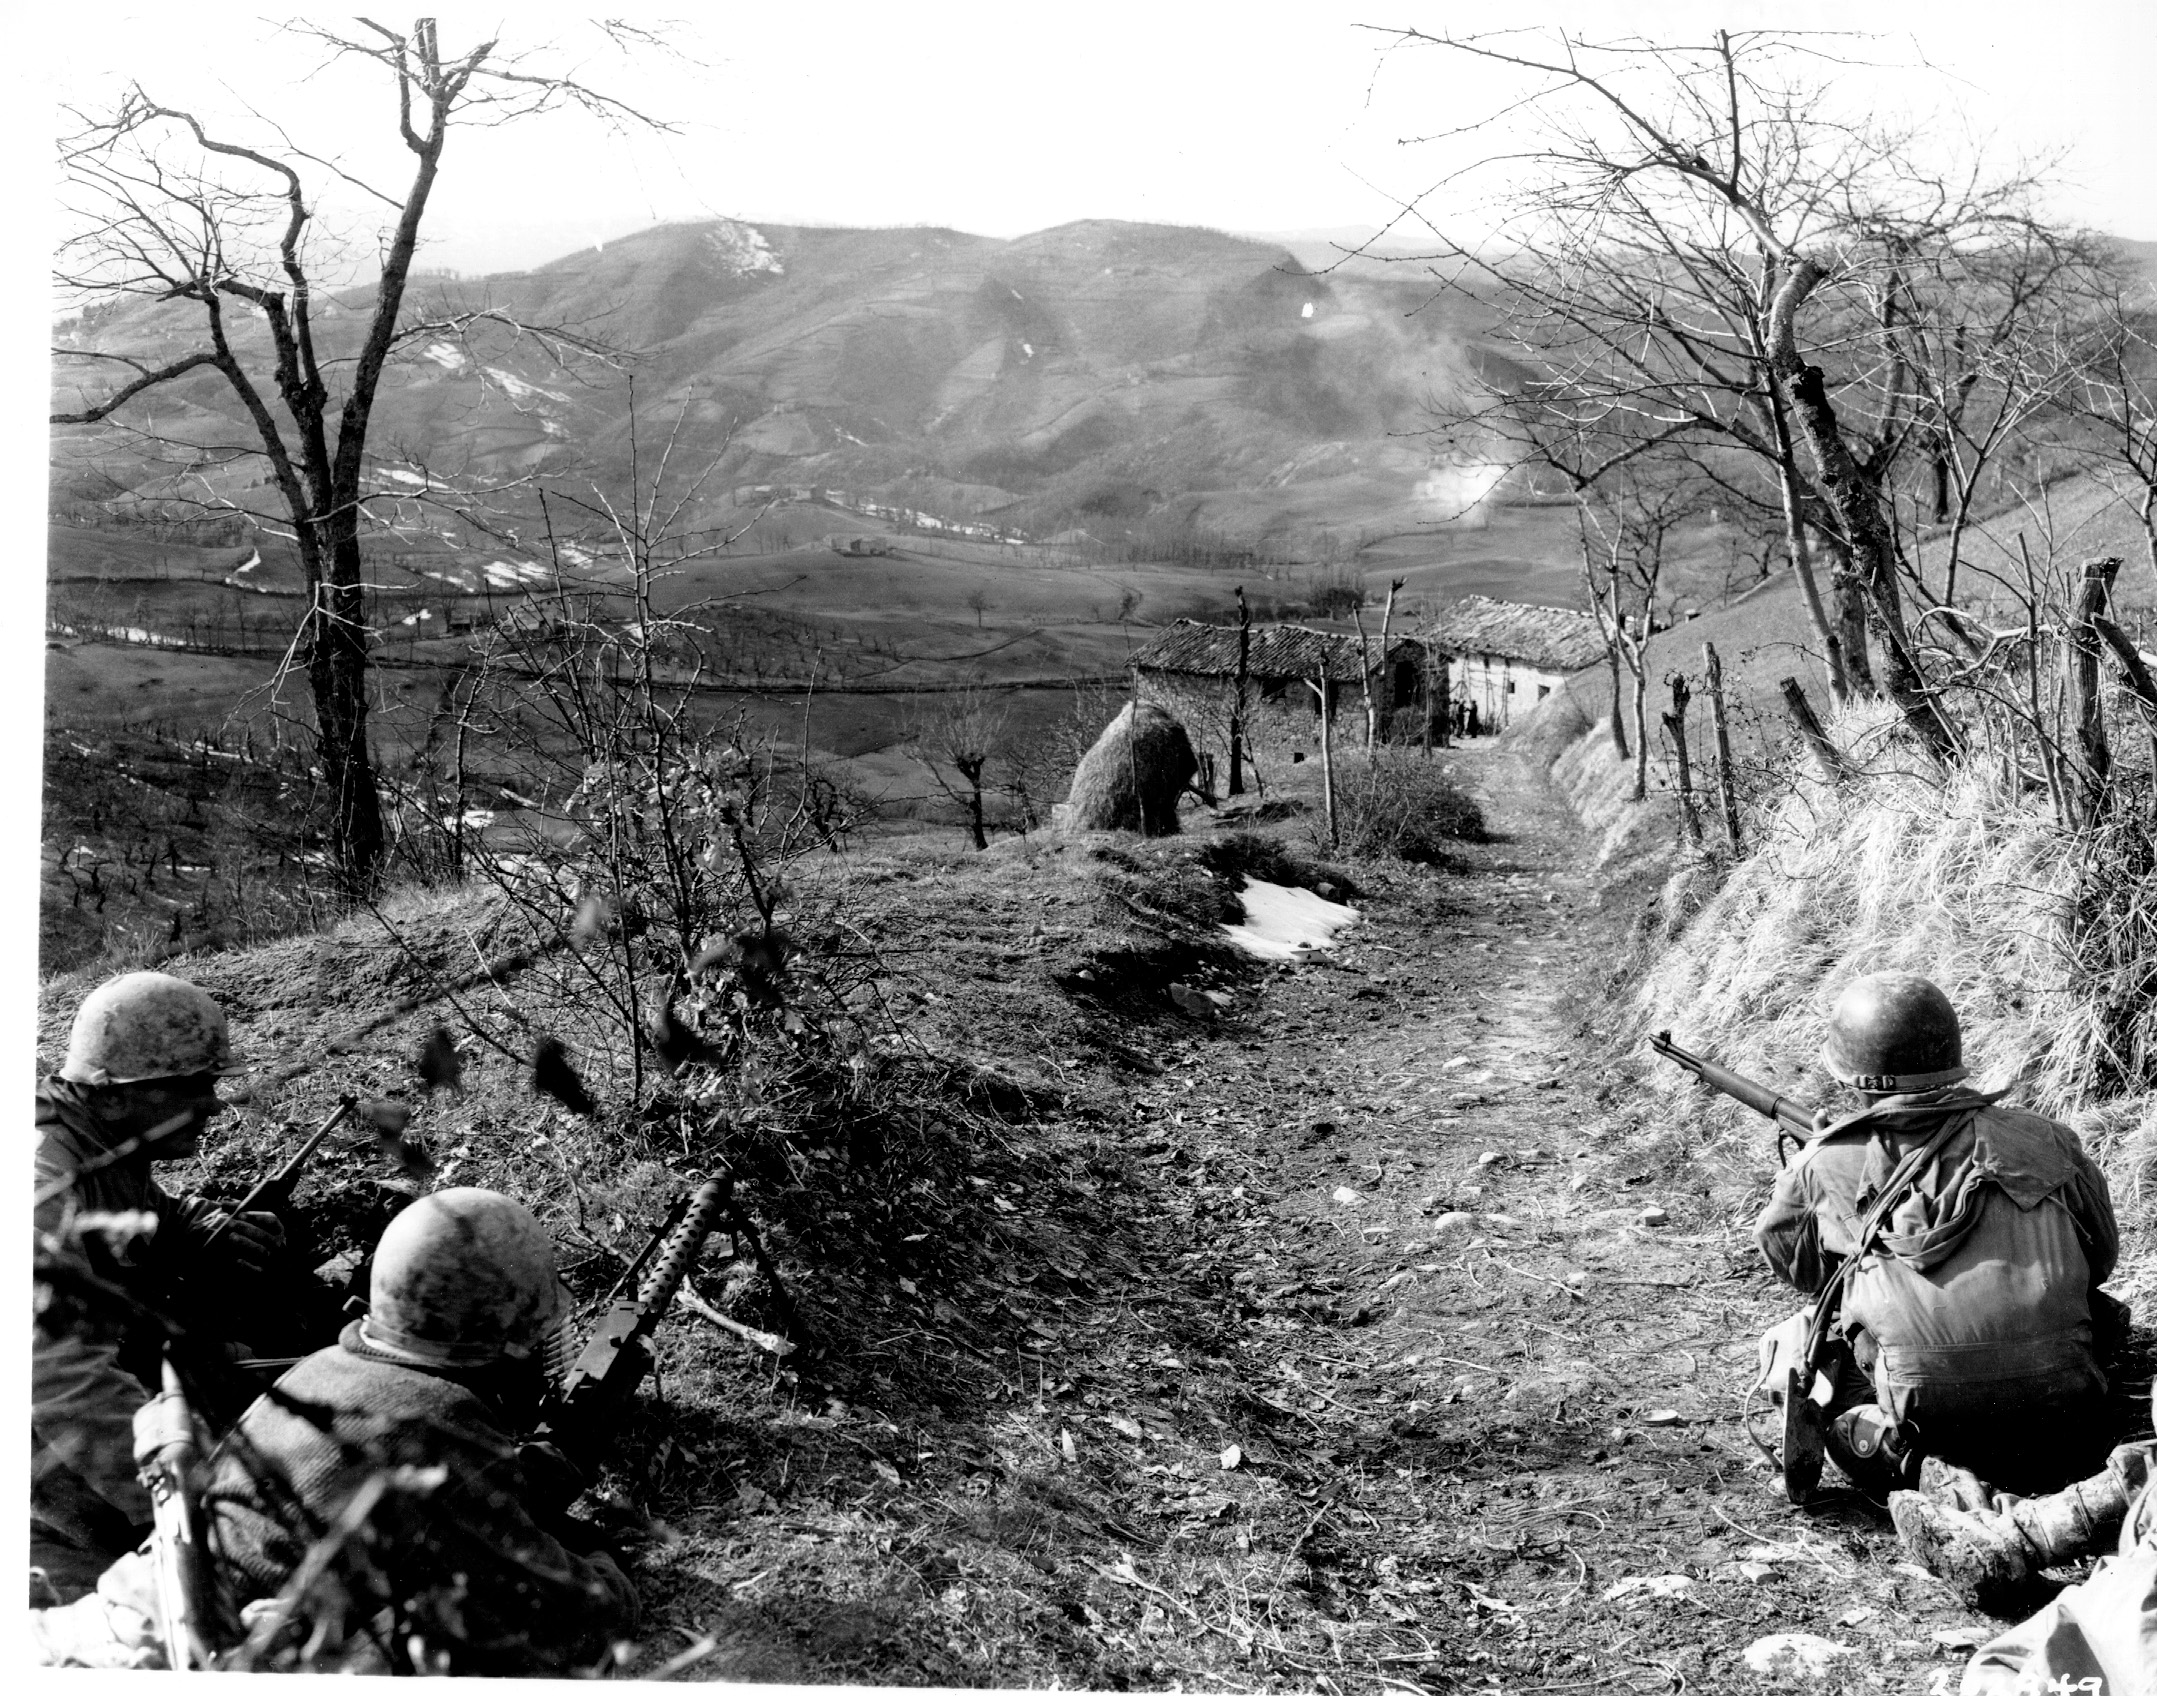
(1980, 1274)
(82, 1400)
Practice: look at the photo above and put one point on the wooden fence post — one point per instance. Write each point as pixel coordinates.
(1725, 784)
(1833, 766)
(1236, 728)
(1681, 694)
(2082, 649)
(1325, 744)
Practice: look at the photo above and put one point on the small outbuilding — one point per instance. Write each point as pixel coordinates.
(1505, 656)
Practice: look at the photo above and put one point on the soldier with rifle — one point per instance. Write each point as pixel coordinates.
(375, 1508)
(138, 1086)
(1952, 1247)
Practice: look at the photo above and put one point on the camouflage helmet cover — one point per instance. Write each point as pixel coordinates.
(1893, 1033)
(464, 1277)
(143, 1026)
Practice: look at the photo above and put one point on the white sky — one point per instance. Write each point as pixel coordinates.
(999, 119)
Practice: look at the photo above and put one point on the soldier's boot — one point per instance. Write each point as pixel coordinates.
(1955, 1487)
(1993, 1558)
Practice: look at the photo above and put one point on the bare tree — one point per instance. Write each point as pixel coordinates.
(1703, 251)
(955, 736)
(165, 210)
(1626, 526)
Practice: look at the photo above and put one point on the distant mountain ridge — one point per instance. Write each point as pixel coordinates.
(1098, 371)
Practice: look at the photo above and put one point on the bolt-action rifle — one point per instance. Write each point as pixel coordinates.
(596, 1389)
(1794, 1121)
(194, 1624)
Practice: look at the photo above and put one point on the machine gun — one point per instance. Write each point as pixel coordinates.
(1794, 1121)
(596, 1389)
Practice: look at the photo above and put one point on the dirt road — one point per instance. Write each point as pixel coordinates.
(1488, 1341)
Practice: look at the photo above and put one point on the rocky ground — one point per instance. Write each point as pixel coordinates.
(1416, 1364)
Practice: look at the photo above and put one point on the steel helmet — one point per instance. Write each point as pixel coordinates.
(1892, 1033)
(464, 1277)
(142, 1026)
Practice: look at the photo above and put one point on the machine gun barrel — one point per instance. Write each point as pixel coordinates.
(614, 1360)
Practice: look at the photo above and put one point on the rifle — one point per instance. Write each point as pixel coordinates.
(596, 1389)
(170, 1459)
(274, 1192)
(1794, 1121)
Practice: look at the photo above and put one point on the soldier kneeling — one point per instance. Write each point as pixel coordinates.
(374, 1507)
(1954, 1248)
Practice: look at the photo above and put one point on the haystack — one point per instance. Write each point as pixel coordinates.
(1132, 777)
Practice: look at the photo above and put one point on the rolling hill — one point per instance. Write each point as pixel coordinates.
(1098, 372)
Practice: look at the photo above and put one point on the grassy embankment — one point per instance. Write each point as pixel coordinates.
(2045, 941)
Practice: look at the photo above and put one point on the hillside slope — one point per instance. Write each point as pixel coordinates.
(1096, 368)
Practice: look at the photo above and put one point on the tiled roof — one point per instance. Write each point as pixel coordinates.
(1549, 638)
(1277, 650)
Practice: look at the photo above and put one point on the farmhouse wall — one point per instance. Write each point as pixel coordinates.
(1502, 689)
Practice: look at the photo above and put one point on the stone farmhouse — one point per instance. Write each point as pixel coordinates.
(1192, 658)
(1505, 657)
(1190, 668)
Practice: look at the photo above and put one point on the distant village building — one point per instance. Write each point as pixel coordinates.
(1190, 661)
(1505, 657)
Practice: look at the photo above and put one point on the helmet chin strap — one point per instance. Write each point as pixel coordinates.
(422, 1352)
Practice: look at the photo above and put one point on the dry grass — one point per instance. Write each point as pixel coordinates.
(2046, 945)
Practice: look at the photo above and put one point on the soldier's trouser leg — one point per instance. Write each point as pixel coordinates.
(1993, 1554)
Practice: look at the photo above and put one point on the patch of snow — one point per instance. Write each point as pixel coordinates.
(1286, 924)
(418, 617)
(742, 249)
(1310, 308)
(232, 578)
(403, 474)
(1026, 349)
(518, 389)
(511, 574)
(445, 354)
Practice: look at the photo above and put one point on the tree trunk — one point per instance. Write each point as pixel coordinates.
(1846, 593)
(1856, 504)
(1640, 721)
(1617, 704)
(1725, 784)
(1833, 641)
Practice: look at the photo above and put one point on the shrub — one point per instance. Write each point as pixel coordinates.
(1239, 854)
(1404, 805)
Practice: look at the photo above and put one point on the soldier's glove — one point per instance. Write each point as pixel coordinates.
(552, 1477)
(253, 1242)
